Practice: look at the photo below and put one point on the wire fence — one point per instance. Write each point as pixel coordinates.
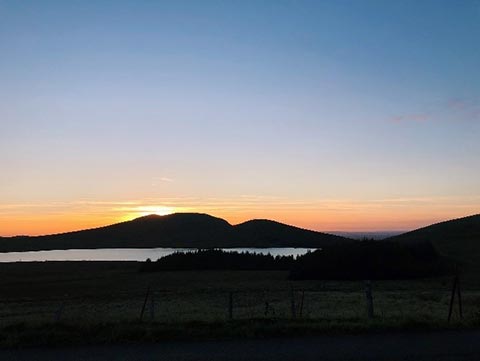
(326, 302)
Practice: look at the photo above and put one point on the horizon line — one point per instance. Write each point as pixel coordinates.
(201, 213)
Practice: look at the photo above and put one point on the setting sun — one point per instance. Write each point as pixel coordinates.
(130, 213)
(158, 210)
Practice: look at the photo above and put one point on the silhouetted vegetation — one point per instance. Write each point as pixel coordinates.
(218, 260)
(374, 260)
(357, 261)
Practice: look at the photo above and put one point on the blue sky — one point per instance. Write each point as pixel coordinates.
(325, 114)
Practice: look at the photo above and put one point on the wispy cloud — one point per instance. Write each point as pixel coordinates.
(457, 103)
(465, 108)
(453, 109)
(158, 180)
(420, 117)
(247, 202)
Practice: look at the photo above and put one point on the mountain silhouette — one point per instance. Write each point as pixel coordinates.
(182, 230)
(274, 234)
(458, 239)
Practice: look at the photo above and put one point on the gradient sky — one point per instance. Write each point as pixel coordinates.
(330, 115)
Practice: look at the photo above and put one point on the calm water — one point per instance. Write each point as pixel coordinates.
(128, 254)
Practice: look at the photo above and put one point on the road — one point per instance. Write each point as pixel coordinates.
(435, 346)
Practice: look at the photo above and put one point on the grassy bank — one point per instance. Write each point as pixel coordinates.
(91, 302)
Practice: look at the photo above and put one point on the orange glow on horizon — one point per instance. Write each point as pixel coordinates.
(339, 216)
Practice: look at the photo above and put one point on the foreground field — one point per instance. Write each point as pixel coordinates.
(65, 302)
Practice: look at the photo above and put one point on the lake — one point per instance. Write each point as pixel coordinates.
(129, 254)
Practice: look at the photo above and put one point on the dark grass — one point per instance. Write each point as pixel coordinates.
(103, 302)
(77, 334)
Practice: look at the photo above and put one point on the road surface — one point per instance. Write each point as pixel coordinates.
(434, 346)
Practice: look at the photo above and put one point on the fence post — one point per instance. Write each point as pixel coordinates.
(230, 305)
(455, 289)
(267, 305)
(292, 303)
(144, 303)
(152, 306)
(459, 295)
(369, 298)
(58, 313)
(301, 303)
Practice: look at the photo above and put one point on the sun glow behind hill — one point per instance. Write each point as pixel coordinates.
(148, 210)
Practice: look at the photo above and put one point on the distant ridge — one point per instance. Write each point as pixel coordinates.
(358, 235)
(178, 230)
(458, 239)
(274, 234)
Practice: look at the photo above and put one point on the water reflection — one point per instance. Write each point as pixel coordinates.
(128, 254)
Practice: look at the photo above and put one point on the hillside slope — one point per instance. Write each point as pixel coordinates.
(266, 233)
(176, 230)
(458, 238)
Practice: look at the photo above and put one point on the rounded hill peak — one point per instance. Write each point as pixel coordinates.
(181, 217)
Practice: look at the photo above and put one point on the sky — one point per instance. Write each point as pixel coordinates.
(328, 115)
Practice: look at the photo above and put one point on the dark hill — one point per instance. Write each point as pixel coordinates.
(266, 233)
(176, 230)
(458, 238)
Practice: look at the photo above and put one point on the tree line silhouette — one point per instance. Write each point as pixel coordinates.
(372, 260)
(216, 259)
(366, 259)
